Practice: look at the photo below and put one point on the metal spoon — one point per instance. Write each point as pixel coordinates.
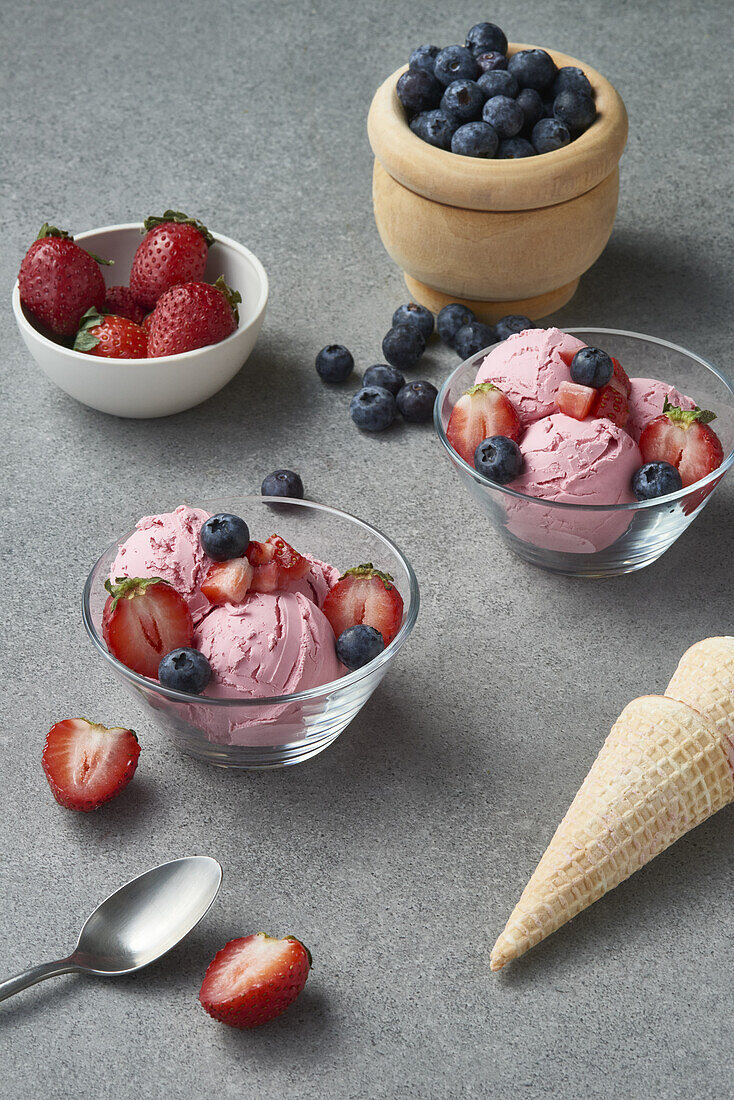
(137, 924)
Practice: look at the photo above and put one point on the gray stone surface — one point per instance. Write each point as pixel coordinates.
(398, 853)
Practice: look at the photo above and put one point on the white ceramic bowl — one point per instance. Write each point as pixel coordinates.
(162, 386)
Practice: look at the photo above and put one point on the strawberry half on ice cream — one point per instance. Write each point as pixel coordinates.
(87, 764)
(366, 596)
(275, 564)
(145, 618)
(255, 978)
(481, 412)
(683, 438)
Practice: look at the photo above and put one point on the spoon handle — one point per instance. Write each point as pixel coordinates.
(35, 974)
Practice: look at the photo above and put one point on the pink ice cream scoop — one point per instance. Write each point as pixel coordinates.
(529, 367)
(577, 462)
(317, 583)
(168, 546)
(646, 401)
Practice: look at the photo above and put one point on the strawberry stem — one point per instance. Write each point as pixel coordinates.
(178, 218)
(686, 417)
(368, 570)
(51, 231)
(233, 296)
(127, 588)
(481, 387)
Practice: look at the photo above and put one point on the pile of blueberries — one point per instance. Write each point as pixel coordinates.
(475, 101)
(384, 392)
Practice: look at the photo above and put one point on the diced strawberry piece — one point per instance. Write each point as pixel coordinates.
(612, 404)
(275, 564)
(228, 581)
(481, 412)
(143, 619)
(620, 378)
(364, 595)
(683, 438)
(574, 400)
(87, 764)
(253, 979)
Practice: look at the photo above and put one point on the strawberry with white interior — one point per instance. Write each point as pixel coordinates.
(364, 595)
(254, 979)
(275, 564)
(481, 412)
(145, 618)
(683, 438)
(87, 764)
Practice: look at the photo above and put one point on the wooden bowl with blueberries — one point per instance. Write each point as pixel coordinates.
(496, 173)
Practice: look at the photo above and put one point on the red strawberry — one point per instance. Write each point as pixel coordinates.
(120, 301)
(481, 412)
(228, 581)
(87, 764)
(192, 316)
(620, 378)
(575, 400)
(682, 438)
(611, 403)
(111, 337)
(145, 618)
(364, 595)
(275, 563)
(145, 323)
(59, 281)
(255, 978)
(173, 251)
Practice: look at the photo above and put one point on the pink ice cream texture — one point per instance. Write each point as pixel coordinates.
(529, 367)
(646, 401)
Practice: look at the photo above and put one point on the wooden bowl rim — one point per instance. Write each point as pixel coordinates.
(476, 184)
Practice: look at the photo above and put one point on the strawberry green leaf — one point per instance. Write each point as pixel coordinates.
(178, 218)
(233, 296)
(126, 588)
(481, 387)
(51, 231)
(686, 417)
(368, 570)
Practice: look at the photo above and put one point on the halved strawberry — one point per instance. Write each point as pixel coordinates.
(365, 595)
(228, 581)
(143, 619)
(481, 412)
(612, 404)
(682, 438)
(275, 563)
(620, 377)
(255, 978)
(575, 400)
(87, 764)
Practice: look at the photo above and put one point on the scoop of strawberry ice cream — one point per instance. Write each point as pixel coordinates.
(317, 583)
(646, 401)
(529, 367)
(168, 546)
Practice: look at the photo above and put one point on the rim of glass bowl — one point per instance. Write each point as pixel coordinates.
(411, 614)
(680, 494)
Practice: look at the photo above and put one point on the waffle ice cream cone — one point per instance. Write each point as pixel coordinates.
(665, 767)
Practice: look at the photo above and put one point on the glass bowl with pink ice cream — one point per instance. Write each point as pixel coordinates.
(278, 693)
(572, 508)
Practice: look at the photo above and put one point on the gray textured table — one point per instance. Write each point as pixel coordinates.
(398, 853)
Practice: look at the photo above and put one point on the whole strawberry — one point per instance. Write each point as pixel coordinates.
(59, 281)
(111, 337)
(173, 251)
(119, 300)
(192, 316)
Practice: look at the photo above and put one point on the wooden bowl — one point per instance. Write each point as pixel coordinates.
(502, 236)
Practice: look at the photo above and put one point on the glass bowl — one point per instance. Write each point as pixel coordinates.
(241, 732)
(590, 540)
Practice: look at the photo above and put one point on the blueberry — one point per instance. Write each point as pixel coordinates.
(575, 110)
(463, 100)
(413, 314)
(656, 479)
(571, 79)
(498, 82)
(373, 409)
(514, 149)
(451, 318)
(512, 323)
(491, 60)
(475, 139)
(533, 69)
(382, 375)
(549, 134)
(504, 115)
(531, 105)
(358, 645)
(435, 127)
(419, 91)
(186, 670)
(455, 63)
(334, 363)
(224, 536)
(591, 367)
(416, 400)
(403, 346)
(424, 58)
(472, 338)
(499, 459)
(486, 36)
(282, 483)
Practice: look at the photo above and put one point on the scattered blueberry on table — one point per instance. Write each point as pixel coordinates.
(334, 363)
(415, 401)
(382, 375)
(413, 314)
(403, 346)
(472, 338)
(282, 483)
(373, 409)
